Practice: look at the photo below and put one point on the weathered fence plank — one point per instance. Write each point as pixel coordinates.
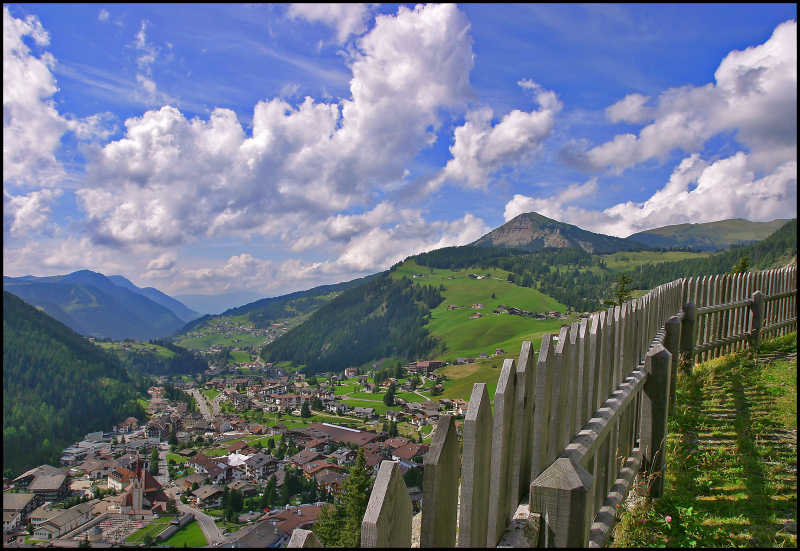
(499, 487)
(475, 463)
(303, 539)
(655, 406)
(440, 487)
(543, 411)
(523, 425)
(561, 494)
(387, 520)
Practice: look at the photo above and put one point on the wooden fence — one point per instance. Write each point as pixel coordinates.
(574, 424)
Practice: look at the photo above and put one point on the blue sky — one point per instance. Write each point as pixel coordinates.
(269, 148)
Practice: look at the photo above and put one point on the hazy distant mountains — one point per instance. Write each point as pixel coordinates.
(95, 305)
(216, 304)
(533, 232)
(710, 236)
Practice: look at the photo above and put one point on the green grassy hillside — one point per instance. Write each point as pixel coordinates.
(461, 336)
(709, 236)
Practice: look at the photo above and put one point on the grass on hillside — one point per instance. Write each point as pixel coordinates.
(136, 346)
(153, 529)
(622, 261)
(461, 378)
(190, 535)
(731, 476)
(462, 336)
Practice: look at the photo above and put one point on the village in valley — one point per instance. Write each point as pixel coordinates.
(238, 458)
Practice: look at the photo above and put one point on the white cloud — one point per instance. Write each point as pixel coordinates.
(697, 191)
(103, 15)
(347, 19)
(25, 214)
(147, 55)
(164, 261)
(480, 149)
(754, 94)
(170, 180)
(520, 204)
(32, 127)
(631, 108)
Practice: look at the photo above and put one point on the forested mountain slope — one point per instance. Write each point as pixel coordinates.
(173, 305)
(91, 304)
(709, 236)
(57, 387)
(774, 251)
(381, 317)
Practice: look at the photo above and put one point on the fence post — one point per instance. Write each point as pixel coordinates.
(688, 334)
(303, 539)
(757, 319)
(440, 487)
(672, 342)
(561, 495)
(387, 520)
(655, 404)
(475, 463)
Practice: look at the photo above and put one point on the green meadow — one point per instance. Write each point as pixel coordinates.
(462, 336)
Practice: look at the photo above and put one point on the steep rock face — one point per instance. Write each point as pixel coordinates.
(532, 231)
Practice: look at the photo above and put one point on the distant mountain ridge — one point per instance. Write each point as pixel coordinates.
(177, 307)
(533, 232)
(94, 305)
(708, 236)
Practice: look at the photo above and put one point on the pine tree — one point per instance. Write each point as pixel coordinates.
(328, 525)
(354, 500)
(305, 411)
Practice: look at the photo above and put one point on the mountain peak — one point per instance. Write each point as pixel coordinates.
(532, 231)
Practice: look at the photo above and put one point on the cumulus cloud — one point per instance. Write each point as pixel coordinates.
(697, 191)
(169, 180)
(347, 19)
(754, 94)
(32, 127)
(480, 149)
(631, 108)
(520, 204)
(25, 214)
(103, 15)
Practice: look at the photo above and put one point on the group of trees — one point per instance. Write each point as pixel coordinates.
(388, 398)
(339, 524)
(379, 318)
(57, 386)
(777, 248)
(181, 362)
(390, 427)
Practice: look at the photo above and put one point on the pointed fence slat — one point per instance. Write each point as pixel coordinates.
(387, 520)
(500, 481)
(440, 487)
(522, 439)
(544, 407)
(475, 463)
